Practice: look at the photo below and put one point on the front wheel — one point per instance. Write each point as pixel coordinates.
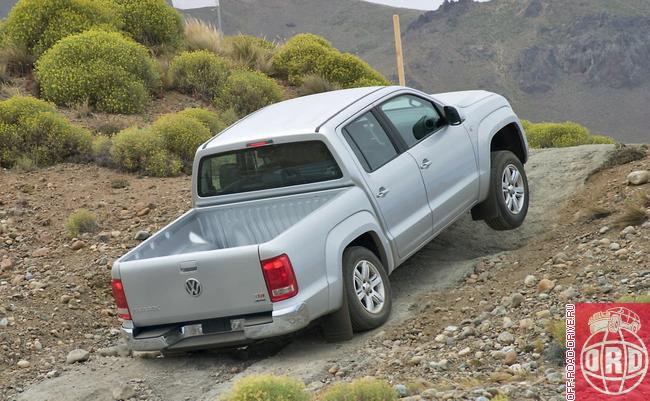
(509, 191)
(367, 288)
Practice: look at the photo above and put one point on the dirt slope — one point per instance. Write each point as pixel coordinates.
(554, 176)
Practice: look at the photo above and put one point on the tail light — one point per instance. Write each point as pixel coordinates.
(279, 277)
(120, 300)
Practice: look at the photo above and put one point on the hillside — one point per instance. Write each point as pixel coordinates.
(586, 61)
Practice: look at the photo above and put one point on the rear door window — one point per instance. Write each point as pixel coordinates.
(370, 142)
(267, 167)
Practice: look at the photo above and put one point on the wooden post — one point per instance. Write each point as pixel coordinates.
(398, 50)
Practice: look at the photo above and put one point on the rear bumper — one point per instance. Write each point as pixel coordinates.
(192, 336)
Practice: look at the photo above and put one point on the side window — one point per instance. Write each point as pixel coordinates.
(413, 117)
(370, 142)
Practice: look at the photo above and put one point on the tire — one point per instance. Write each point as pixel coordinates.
(503, 186)
(371, 308)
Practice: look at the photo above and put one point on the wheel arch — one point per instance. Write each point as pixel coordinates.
(360, 229)
(510, 137)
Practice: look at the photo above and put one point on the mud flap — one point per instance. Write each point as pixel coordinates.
(337, 326)
(488, 209)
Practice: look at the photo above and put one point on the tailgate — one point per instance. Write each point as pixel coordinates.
(195, 286)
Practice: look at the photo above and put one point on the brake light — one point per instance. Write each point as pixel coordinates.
(280, 278)
(258, 144)
(120, 300)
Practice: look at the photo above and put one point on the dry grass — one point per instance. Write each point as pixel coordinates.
(644, 198)
(594, 211)
(16, 60)
(200, 35)
(83, 110)
(247, 52)
(623, 154)
(634, 214)
(312, 84)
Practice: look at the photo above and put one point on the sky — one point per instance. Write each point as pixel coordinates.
(415, 4)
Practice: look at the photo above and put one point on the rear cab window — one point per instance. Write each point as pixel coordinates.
(266, 167)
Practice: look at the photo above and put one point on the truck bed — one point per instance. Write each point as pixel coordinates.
(230, 226)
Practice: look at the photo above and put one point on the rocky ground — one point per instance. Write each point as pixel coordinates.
(488, 333)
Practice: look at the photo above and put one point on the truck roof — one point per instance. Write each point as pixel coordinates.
(301, 115)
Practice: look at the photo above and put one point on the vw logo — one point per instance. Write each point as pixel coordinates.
(193, 287)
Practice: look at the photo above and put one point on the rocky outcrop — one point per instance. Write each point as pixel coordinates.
(602, 49)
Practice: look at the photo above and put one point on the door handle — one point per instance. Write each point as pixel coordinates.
(382, 192)
(426, 163)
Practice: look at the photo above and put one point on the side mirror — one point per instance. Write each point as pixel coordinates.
(452, 115)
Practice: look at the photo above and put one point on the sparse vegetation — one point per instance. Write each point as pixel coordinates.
(199, 73)
(16, 59)
(31, 128)
(119, 183)
(80, 222)
(557, 330)
(268, 388)
(110, 72)
(313, 83)
(359, 390)
(154, 23)
(561, 135)
(200, 35)
(248, 91)
(634, 214)
(634, 299)
(250, 52)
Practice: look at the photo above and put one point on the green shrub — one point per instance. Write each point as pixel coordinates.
(35, 25)
(349, 71)
(268, 388)
(209, 119)
(250, 52)
(32, 128)
(181, 136)
(200, 35)
(110, 72)
(141, 150)
(560, 135)
(306, 54)
(199, 73)
(81, 221)
(557, 329)
(301, 56)
(360, 390)
(154, 23)
(246, 92)
(634, 299)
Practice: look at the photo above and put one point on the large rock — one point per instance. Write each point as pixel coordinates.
(638, 177)
(123, 392)
(77, 355)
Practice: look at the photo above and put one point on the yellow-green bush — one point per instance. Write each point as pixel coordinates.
(359, 390)
(165, 148)
(31, 128)
(181, 136)
(301, 56)
(109, 71)
(250, 52)
(81, 221)
(248, 91)
(560, 135)
(199, 73)
(36, 25)
(143, 151)
(268, 388)
(154, 23)
(350, 71)
(210, 120)
(306, 54)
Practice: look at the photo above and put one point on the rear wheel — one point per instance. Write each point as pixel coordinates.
(367, 289)
(508, 191)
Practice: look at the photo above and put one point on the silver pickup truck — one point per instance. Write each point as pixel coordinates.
(303, 209)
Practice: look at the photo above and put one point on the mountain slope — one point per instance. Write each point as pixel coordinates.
(586, 60)
(583, 60)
